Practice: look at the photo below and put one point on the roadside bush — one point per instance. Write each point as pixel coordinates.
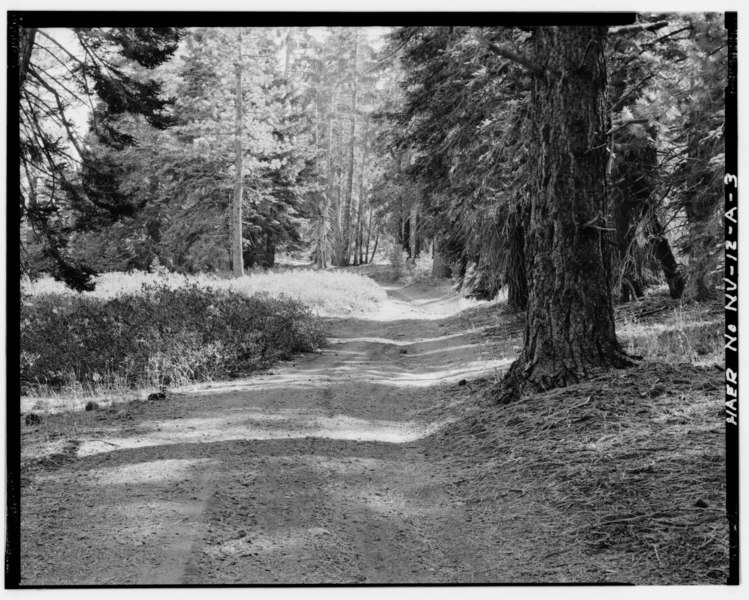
(161, 335)
(406, 270)
(399, 262)
(326, 293)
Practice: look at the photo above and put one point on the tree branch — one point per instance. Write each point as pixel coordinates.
(633, 88)
(400, 47)
(627, 124)
(668, 35)
(68, 127)
(637, 27)
(33, 71)
(510, 55)
(59, 45)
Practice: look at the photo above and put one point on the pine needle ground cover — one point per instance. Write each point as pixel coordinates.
(619, 479)
(145, 329)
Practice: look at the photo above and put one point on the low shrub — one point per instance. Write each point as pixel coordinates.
(160, 335)
(326, 293)
(407, 270)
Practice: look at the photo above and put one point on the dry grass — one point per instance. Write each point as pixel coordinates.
(326, 293)
(74, 395)
(667, 330)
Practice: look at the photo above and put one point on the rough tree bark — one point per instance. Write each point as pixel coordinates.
(570, 324)
(517, 285)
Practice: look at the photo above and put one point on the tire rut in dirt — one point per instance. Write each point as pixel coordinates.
(323, 511)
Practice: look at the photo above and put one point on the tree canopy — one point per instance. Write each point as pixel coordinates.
(107, 71)
(217, 149)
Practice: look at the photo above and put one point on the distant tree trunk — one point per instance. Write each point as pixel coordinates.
(440, 269)
(664, 255)
(356, 251)
(352, 147)
(340, 237)
(359, 246)
(569, 330)
(631, 285)
(322, 232)
(236, 256)
(323, 207)
(334, 188)
(632, 171)
(369, 235)
(406, 234)
(414, 220)
(698, 204)
(268, 256)
(359, 250)
(377, 239)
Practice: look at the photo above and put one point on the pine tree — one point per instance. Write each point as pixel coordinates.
(570, 324)
(108, 71)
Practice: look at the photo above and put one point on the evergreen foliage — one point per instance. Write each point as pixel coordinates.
(211, 150)
(461, 135)
(108, 71)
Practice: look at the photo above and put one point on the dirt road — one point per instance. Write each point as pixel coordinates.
(314, 473)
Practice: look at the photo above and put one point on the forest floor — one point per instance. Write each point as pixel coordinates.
(383, 460)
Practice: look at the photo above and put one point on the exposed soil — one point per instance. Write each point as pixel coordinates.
(314, 473)
(382, 459)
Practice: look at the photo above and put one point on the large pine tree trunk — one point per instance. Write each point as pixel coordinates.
(517, 285)
(570, 324)
(236, 246)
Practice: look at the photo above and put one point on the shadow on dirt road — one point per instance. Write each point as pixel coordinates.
(312, 473)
